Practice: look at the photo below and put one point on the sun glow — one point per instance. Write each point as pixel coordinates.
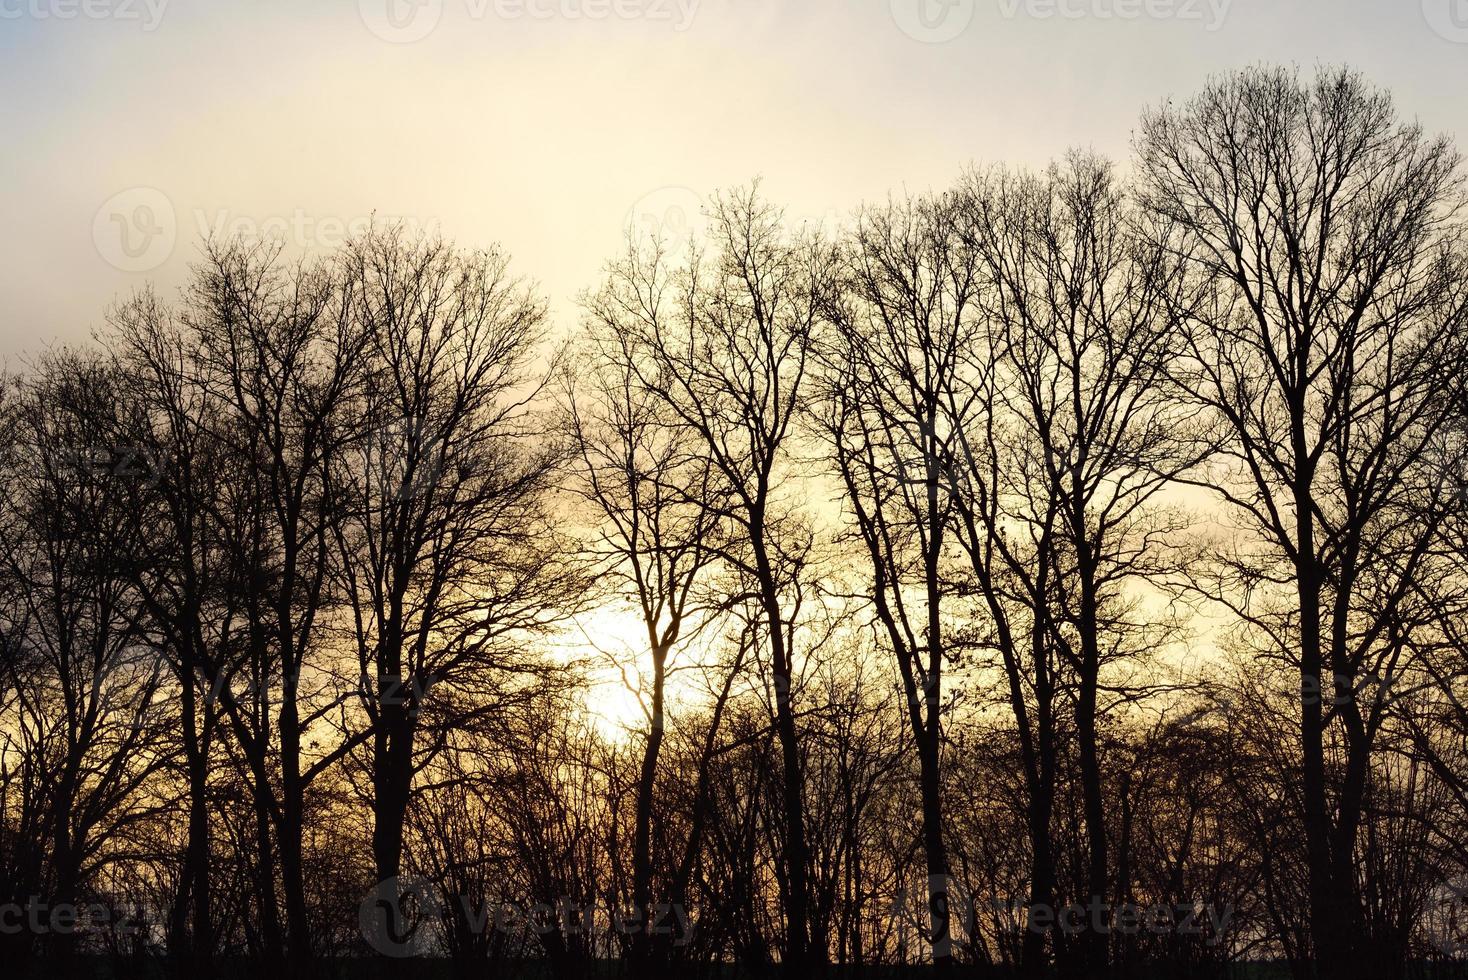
(611, 641)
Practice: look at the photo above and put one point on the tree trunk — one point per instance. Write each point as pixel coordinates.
(642, 839)
(292, 826)
(196, 860)
(1328, 933)
(797, 924)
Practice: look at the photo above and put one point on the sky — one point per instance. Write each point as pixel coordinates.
(132, 129)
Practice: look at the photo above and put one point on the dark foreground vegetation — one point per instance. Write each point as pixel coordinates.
(438, 968)
(1061, 574)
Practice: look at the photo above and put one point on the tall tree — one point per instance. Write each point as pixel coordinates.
(658, 515)
(284, 360)
(725, 342)
(1327, 234)
(178, 568)
(900, 330)
(448, 561)
(83, 685)
(1083, 309)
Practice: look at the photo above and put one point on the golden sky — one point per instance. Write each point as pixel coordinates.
(131, 128)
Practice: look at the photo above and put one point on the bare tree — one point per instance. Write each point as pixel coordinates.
(448, 561)
(897, 521)
(1087, 436)
(81, 684)
(1326, 233)
(658, 515)
(725, 342)
(179, 569)
(901, 330)
(284, 360)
